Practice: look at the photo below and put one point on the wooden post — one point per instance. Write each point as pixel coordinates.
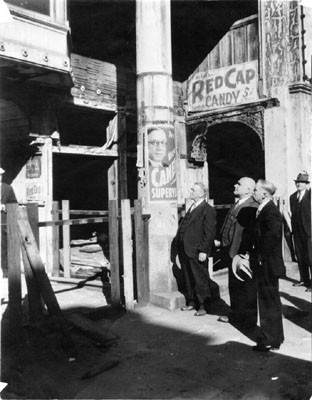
(14, 264)
(66, 239)
(55, 241)
(141, 252)
(122, 159)
(114, 251)
(127, 253)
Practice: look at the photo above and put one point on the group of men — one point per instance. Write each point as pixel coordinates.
(251, 245)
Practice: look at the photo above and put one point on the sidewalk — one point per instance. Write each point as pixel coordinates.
(153, 353)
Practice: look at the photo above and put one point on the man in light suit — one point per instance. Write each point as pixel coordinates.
(300, 206)
(194, 241)
(237, 238)
(269, 267)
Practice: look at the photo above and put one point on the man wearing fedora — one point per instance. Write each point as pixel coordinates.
(300, 207)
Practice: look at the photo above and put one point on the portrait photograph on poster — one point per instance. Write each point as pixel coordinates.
(161, 155)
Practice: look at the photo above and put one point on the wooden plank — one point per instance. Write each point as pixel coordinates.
(32, 251)
(33, 217)
(240, 45)
(87, 212)
(140, 252)
(55, 240)
(114, 252)
(14, 264)
(66, 239)
(122, 159)
(252, 41)
(85, 151)
(127, 253)
(77, 221)
(33, 291)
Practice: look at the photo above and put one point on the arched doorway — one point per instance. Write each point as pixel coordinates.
(233, 150)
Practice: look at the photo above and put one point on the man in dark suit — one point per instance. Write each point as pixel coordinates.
(235, 240)
(269, 267)
(300, 207)
(7, 196)
(194, 241)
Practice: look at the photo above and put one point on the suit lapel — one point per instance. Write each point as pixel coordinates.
(196, 211)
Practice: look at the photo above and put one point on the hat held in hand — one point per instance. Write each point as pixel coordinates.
(241, 267)
(303, 177)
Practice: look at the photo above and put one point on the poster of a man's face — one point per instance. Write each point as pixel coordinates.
(157, 147)
(161, 155)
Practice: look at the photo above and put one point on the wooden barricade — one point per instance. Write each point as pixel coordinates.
(120, 244)
(21, 237)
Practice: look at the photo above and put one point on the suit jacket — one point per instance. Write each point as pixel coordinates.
(236, 228)
(301, 215)
(269, 240)
(200, 231)
(7, 194)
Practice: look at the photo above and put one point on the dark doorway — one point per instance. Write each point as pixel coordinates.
(234, 150)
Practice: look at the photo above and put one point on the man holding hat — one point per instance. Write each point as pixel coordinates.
(300, 207)
(7, 196)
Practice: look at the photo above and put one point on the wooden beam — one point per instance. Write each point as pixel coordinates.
(34, 296)
(85, 151)
(33, 217)
(141, 252)
(14, 267)
(127, 253)
(78, 221)
(114, 252)
(87, 212)
(55, 240)
(122, 159)
(66, 239)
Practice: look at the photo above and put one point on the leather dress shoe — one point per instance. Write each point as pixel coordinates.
(224, 318)
(298, 283)
(262, 347)
(201, 312)
(187, 308)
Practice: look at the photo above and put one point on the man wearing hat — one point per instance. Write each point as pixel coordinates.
(300, 207)
(7, 196)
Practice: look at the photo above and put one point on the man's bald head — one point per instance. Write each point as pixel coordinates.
(244, 187)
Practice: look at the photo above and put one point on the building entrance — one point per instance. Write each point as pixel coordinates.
(233, 150)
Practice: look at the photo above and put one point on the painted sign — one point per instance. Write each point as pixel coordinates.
(34, 192)
(33, 167)
(223, 87)
(161, 156)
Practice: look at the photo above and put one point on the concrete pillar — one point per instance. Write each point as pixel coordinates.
(157, 184)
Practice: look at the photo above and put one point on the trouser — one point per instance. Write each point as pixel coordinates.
(196, 278)
(243, 296)
(243, 299)
(304, 256)
(270, 308)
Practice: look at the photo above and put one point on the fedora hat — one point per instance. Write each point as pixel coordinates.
(303, 177)
(241, 267)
